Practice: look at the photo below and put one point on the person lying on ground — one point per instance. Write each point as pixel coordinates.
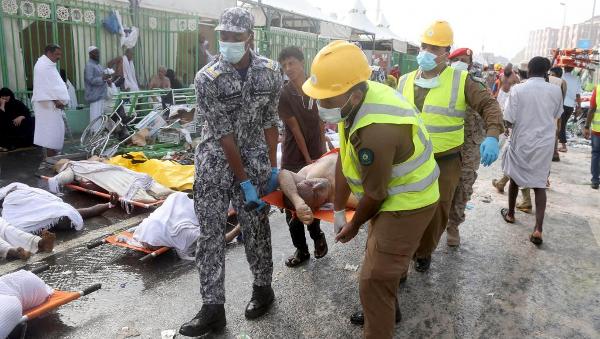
(33, 210)
(16, 244)
(312, 187)
(102, 177)
(174, 224)
(19, 291)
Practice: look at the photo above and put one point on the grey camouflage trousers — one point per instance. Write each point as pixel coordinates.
(211, 202)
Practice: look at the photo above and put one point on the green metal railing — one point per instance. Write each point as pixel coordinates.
(173, 40)
(270, 42)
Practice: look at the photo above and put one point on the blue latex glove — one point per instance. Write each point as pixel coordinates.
(489, 150)
(251, 200)
(273, 181)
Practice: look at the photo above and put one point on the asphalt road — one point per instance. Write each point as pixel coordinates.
(495, 285)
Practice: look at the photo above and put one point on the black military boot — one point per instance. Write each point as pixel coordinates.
(262, 299)
(422, 264)
(210, 318)
(358, 318)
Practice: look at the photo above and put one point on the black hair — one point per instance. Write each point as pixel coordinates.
(290, 52)
(6, 92)
(523, 74)
(51, 48)
(557, 70)
(538, 67)
(569, 69)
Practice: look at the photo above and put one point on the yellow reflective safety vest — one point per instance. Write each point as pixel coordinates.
(413, 183)
(596, 120)
(444, 109)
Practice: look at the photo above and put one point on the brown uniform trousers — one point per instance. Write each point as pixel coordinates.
(470, 159)
(392, 240)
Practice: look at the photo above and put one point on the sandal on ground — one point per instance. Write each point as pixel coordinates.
(524, 209)
(297, 259)
(504, 213)
(536, 239)
(321, 246)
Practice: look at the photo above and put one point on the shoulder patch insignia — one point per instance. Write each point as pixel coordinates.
(366, 156)
(212, 73)
(270, 64)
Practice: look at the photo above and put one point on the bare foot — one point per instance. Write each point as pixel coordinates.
(46, 244)
(18, 253)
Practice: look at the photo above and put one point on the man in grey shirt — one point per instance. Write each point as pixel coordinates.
(95, 83)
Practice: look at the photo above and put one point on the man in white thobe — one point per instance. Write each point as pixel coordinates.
(125, 68)
(50, 96)
(531, 110)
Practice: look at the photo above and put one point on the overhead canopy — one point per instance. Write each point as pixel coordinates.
(208, 9)
(357, 19)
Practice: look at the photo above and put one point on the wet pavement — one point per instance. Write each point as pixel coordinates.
(496, 284)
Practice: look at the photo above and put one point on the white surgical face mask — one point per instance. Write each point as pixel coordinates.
(331, 115)
(460, 66)
(428, 83)
(232, 52)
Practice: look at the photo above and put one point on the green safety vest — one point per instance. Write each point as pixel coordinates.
(596, 121)
(413, 183)
(444, 109)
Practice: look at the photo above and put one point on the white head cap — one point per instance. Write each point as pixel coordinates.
(92, 48)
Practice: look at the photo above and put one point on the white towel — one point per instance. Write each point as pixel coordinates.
(129, 75)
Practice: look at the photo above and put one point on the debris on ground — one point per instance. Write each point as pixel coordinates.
(167, 334)
(350, 267)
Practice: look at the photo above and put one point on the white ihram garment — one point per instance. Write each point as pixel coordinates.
(12, 237)
(131, 82)
(48, 86)
(174, 224)
(19, 291)
(126, 183)
(33, 210)
(532, 108)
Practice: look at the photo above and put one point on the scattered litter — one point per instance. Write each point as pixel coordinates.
(490, 295)
(469, 206)
(303, 270)
(123, 285)
(66, 272)
(242, 336)
(486, 198)
(167, 334)
(127, 332)
(352, 268)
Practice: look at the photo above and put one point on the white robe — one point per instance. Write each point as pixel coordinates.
(174, 224)
(33, 210)
(19, 291)
(48, 86)
(126, 183)
(12, 237)
(131, 82)
(532, 108)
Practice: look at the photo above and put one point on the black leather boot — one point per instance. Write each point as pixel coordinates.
(358, 318)
(422, 264)
(262, 299)
(210, 318)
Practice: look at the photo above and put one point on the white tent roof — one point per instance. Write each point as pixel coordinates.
(357, 19)
(383, 30)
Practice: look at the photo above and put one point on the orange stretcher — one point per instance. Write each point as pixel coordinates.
(57, 299)
(107, 196)
(276, 199)
(113, 240)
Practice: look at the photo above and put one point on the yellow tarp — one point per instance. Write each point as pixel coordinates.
(168, 173)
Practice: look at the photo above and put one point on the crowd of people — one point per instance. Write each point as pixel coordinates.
(409, 150)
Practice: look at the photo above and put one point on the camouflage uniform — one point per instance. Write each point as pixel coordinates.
(470, 156)
(245, 109)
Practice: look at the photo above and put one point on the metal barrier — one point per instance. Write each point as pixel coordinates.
(173, 40)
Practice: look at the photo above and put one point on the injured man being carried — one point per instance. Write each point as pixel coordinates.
(312, 188)
(174, 224)
(19, 291)
(33, 210)
(100, 176)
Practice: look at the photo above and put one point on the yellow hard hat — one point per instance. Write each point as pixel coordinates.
(438, 34)
(497, 67)
(336, 68)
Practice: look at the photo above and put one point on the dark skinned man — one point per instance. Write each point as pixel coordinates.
(442, 95)
(236, 161)
(386, 160)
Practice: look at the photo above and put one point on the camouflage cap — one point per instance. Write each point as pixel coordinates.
(236, 19)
